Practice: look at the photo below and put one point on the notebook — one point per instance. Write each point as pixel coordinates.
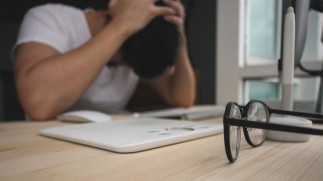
(133, 135)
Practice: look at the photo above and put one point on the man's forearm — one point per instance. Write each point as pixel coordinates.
(182, 82)
(52, 85)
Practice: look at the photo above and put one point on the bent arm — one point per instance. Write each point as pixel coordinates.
(48, 82)
(178, 85)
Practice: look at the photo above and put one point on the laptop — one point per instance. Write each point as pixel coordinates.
(183, 113)
(133, 135)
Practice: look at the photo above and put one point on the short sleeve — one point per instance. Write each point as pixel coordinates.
(46, 24)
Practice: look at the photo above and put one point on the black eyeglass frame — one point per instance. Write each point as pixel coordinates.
(245, 124)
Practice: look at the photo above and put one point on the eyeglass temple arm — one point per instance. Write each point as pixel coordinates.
(276, 127)
(294, 113)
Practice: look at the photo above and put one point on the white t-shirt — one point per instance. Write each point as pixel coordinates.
(65, 28)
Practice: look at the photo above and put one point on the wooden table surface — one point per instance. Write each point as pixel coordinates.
(24, 155)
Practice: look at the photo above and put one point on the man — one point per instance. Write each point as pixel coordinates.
(60, 66)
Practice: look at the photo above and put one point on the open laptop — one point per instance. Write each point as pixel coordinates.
(195, 113)
(133, 135)
(184, 113)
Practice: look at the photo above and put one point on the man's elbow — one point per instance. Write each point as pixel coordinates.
(40, 115)
(185, 102)
(38, 110)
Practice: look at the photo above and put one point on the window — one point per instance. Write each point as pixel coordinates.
(262, 31)
(248, 49)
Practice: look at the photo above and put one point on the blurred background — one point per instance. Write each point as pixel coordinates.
(200, 28)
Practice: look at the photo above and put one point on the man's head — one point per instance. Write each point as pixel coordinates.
(152, 50)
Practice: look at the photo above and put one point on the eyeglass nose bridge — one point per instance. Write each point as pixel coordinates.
(246, 119)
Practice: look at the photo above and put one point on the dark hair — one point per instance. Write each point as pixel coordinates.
(150, 51)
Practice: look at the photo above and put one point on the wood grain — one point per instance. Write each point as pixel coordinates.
(24, 155)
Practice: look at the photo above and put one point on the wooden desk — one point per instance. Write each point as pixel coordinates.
(26, 156)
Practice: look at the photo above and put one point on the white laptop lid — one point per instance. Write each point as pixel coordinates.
(133, 135)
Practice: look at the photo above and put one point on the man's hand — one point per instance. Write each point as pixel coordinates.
(178, 18)
(134, 15)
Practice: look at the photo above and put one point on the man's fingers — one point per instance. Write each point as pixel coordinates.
(173, 19)
(176, 5)
(159, 10)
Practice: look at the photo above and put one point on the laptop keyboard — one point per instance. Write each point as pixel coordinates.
(187, 114)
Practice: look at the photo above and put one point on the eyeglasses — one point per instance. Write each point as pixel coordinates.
(254, 119)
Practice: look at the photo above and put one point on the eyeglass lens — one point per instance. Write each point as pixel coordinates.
(235, 133)
(256, 111)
